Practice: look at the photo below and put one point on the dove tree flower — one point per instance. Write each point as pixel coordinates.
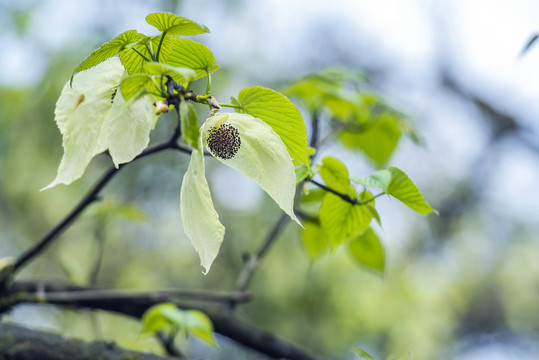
(248, 145)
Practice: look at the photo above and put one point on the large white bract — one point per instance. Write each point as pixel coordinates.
(92, 119)
(261, 156)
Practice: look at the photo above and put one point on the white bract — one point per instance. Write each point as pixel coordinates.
(92, 119)
(248, 145)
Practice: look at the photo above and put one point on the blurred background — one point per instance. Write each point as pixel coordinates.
(463, 285)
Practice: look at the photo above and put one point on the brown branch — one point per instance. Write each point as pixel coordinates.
(21, 343)
(249, 337)
(251, 261)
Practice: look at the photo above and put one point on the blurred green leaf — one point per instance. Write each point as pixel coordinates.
(314, 240)
(335, 174)
(189, 124)
(368, 250)
(377, 139)
(380, 179)
(108, 49)
(279, 113)
(191, 54)
(166, 315)
(175, 25)
(302, 172)
(364, 355)
(199, 325)
(341, 220)
(114, 208)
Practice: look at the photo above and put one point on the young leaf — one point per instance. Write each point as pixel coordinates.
(199, 325)
(92, 118)
(108, 49)
(380, 179)
(175, 25)
(302, 172)
(278, 112)
(138, 85)
(314, 239)
(402, 188)
(189, 125)
(180, 74)
(191, 54)
(135, 58)
(334, 173)
(341, 220)
(158, 317)
(368, 250)
(193, 322)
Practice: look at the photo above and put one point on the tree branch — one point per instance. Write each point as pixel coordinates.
(92, 196)
(20, 343)
(251, 261)
(257, 340)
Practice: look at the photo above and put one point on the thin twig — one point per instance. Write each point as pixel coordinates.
(251, 261)
(345, 197)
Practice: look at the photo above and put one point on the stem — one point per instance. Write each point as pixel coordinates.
(141, 54)
(208, 87)
(345, 197)
(159, 46)
(231, 106)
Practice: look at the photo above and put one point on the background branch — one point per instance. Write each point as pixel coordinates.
(263, 342)
(21, 343)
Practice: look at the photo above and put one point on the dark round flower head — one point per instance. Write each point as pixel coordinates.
(224, 141)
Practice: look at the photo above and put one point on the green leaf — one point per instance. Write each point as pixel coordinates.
(380, 179)
(107, 208)
(191, 54)
(189, 124)
(138, 85)
(364, 355)
(341, 220)
(180, 74)
(378, 138)
(335, 174)
(193, 322)
(314, 240)
(108, 49)
(368, 250)
(132, 60)
(199, 325)
(302, 172)
(175, 25)
(278, 112)
(402, 188)
(158, 317)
